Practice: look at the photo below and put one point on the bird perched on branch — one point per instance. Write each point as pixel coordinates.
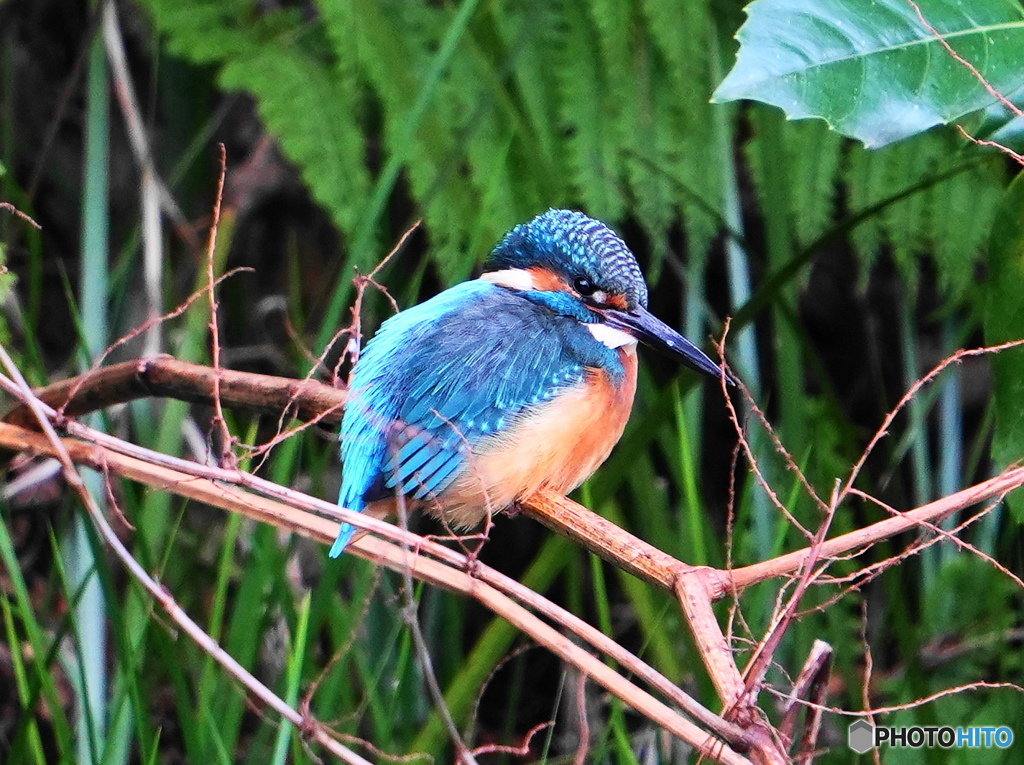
(497, 387)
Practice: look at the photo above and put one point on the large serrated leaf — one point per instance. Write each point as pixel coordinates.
(874, 71)
(1004, 321)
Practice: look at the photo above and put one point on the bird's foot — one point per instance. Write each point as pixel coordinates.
(472, 567)
(516, 508)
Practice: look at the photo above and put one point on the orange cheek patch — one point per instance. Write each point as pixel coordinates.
(546, 281)
(617, 301)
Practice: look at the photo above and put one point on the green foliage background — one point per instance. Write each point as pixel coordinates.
(856, 270)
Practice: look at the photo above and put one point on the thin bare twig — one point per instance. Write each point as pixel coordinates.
(992, 91)
(952, 535)
(1016, 157)
(811, 684)
(883, 429)
(745, 446)
(870, 713)
(410, 616)
(166, 377)
(226, 457)
(262, 451)
(18, 213)
(581, 713)
(522, 750)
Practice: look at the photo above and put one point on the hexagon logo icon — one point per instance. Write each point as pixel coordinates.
(860, 736)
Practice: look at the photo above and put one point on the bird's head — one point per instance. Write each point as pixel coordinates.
(579, 267)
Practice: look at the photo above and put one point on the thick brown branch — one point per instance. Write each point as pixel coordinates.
(166, 377)
(601, 536)
(859, 539)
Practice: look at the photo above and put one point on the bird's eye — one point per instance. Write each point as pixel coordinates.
(584, 286)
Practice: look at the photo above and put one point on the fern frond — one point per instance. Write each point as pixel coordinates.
(948, 222)
(814, 156)
(315, 123)
(312, 113)
(593, 153)
(961, 215)
(680, 31)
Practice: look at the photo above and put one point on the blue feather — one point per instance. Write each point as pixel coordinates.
(439, 378)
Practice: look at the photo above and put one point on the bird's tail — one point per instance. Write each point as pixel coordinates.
(344, 537)
(347, 530)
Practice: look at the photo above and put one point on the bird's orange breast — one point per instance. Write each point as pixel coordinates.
(557, 445)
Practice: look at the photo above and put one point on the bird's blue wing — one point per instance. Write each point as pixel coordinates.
(438, 378)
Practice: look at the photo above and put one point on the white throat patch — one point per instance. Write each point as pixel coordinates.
(610, 336)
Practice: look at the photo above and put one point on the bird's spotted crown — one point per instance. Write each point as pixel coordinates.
(571, 244)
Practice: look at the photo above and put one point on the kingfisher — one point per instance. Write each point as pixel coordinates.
(499, 386)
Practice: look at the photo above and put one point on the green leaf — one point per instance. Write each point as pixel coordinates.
(1004, 321)
(1001, 126)
(874, 71)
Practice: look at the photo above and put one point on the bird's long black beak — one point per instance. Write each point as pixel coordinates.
(652, 331)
